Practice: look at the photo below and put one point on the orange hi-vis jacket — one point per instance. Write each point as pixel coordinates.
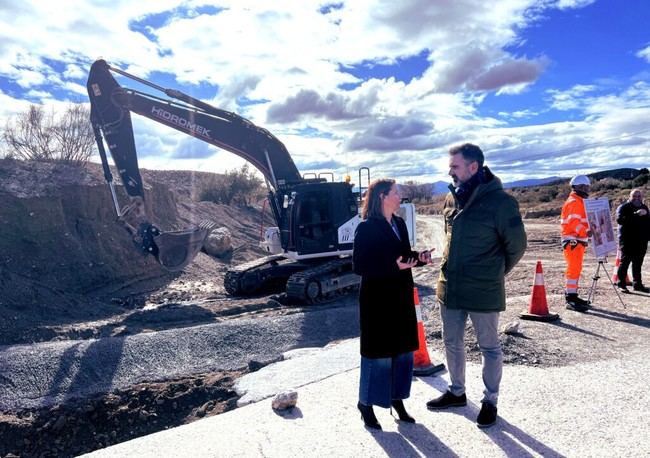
(574, 219)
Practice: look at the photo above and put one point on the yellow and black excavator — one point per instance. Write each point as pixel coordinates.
(309, 248)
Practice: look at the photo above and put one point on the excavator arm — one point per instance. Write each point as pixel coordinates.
(111, 108)
(112, 105)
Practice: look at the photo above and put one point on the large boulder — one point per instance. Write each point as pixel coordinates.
(218, 243)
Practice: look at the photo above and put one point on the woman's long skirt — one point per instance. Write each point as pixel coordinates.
(385, 379)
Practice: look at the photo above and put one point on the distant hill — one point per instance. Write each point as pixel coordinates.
(442, 187)
(545, 198)
(619, 174)
(531, 182)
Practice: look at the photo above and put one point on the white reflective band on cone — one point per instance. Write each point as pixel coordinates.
(418, 312)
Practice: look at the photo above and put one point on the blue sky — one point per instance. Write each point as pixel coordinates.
(547, 87)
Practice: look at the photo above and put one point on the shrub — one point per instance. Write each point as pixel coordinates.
(640, 180)
(607, 184)
(39, 136)
(416, 192)
(239, 186)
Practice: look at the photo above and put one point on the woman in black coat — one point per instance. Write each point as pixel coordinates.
(383, 258)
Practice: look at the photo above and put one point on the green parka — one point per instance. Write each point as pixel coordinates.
(485, 239)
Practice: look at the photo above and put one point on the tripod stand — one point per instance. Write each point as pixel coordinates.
(592, 290)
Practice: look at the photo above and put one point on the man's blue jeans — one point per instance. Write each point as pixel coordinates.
(453, 333)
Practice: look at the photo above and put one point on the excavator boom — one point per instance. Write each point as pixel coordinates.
(113, 104)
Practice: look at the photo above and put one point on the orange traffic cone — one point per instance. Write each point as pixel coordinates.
(618, 263)
(422, 365)
(538, 308)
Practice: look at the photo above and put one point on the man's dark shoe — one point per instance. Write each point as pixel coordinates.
(447, 400)
(573, 302)
(576, 307)
(487, 416)
(582, 301)
(641, 288)
(622, 287)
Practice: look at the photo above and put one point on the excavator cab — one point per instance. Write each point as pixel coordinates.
(317, 217)
(310, 218)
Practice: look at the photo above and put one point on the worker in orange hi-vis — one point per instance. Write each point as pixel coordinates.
(575, 237)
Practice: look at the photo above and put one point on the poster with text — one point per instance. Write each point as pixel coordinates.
(599, 217)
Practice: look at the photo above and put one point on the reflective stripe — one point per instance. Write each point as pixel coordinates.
(571, 286)
(418, 313)
(539, 279)
(573, 216)
(570, 237)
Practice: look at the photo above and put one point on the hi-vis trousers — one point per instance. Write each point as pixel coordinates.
(573, 257)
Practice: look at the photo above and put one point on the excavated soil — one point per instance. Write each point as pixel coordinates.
(68, 271)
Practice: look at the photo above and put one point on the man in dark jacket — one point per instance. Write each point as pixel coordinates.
(633, 219)
(485, 239)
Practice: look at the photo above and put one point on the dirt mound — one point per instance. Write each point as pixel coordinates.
(86, 425)
(64, 257)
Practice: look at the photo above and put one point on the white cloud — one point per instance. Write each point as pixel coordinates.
(571, 99)
(570, 4)
(38, 95)
(292, 60)
(644, 53)
(75, 71)
(9, 106)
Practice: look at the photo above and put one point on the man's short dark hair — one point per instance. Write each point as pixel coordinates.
(470, 152)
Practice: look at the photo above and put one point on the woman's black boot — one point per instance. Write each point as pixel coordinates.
(368, 416)
(403, 415)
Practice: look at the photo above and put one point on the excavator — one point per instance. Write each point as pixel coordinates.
(309, 249)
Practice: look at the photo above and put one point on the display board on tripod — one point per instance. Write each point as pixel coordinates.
(603, 240)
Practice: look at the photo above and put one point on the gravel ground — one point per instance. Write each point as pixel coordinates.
(174, 355)
(65, 398)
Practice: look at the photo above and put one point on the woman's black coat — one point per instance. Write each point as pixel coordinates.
(387, 310)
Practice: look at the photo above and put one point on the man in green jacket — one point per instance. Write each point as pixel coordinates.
(485, 240)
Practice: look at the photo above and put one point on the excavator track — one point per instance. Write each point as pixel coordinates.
(258, 275)
(235, 282)
(322, 282)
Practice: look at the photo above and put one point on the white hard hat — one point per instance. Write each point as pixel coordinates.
(580, 179)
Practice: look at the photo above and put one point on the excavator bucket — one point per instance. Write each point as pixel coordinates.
(173, 249)
(176, 249)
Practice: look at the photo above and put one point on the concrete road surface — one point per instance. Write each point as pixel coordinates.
(587, 410)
